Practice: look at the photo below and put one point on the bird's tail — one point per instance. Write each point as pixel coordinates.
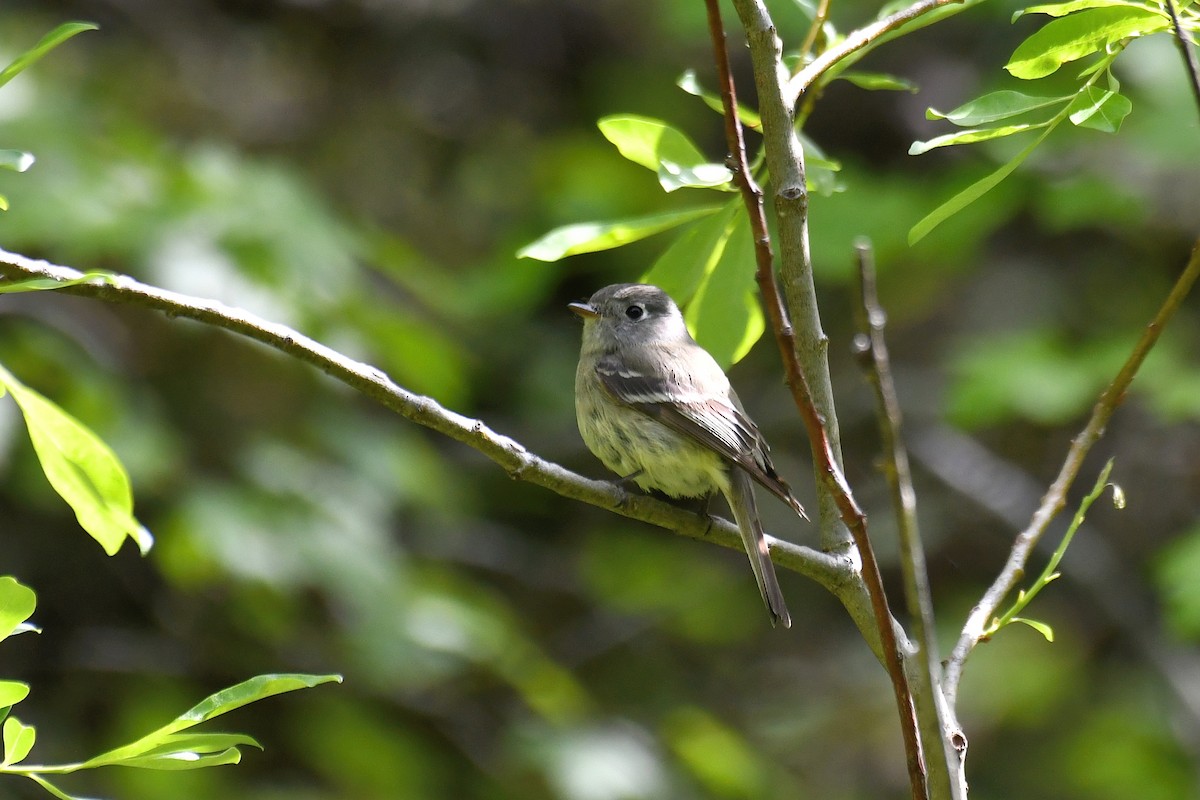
(745, 511)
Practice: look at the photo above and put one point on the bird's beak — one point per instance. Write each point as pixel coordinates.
(585, 310)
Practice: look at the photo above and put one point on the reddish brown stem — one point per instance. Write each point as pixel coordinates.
(831, 477)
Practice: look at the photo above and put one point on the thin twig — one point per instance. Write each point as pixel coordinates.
(857, 40)
(833, 479)
(1055, 498)
(871, 346)
(814, 30)
(1187, 48)
(511, 455)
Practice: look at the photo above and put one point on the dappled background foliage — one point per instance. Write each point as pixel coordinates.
(365, 172)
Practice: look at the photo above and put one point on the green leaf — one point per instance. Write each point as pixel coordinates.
(51, 788)
(724, 317)
(82, 469)
(18, 741)
(43, 284)
(683, 266)
(879, 81)
(588, 237)
(1040, 627)
(1062, 9)
(690, 84)
(16, 160)
(161, 741)
(971, 193)
(17, 602)
(48, 42)
(1078, 35)
(185, 759)
(12, 692)
(973, 135)
(657, 146)
(1099, 109)
(994, 106)
(820, 170)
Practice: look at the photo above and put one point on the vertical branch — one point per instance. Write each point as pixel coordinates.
(1055, 497)
(822, 438)
(871, 345)
(785, 163)
(1187, 48)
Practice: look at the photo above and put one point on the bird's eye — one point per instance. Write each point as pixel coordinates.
(635, 312)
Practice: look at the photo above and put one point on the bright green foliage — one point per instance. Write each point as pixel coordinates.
(18, 160)
(588, 237)
(659, 147)
(1080, 29)
(1081, 34)
(82, 469)
(167, 748)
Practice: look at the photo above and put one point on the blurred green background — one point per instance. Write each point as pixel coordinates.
(364, 170)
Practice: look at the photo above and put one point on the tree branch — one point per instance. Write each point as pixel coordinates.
(1055, 497)
(786, 157)
(866, 36)
(830, 571)
(1187, 49)
(871, 346)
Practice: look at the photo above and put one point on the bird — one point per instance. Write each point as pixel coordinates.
(657, 409)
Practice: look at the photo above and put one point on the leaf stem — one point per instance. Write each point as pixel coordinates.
(1050, 573)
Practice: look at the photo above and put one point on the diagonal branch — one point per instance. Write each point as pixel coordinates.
(1056, 496)
(830, 571)
(871, 346)
(867, 36)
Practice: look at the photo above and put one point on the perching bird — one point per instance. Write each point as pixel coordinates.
(657, 409)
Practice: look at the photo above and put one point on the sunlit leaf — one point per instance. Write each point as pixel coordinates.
(45, 284)
(879, 81)
(724, 316)
(994, 106)
(82, 469)
(1073, 37)
(1062, 9)
(691, 84)
(185, 759)
(588, 237)
(1100, 109)
(970, 136)
(1040, 627)
(657, 146)
(48, 42)
(17, 602)
(16, 160)
(683, 266)
(18, 740)
(12, 692)
(224, 701)
(970, 194)
(1118, 496)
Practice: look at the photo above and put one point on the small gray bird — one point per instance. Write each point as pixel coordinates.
(656, 408)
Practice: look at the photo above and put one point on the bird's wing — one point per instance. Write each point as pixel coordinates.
(711, 418)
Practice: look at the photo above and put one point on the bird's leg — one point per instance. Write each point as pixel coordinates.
(703, 506)
(624, 484)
